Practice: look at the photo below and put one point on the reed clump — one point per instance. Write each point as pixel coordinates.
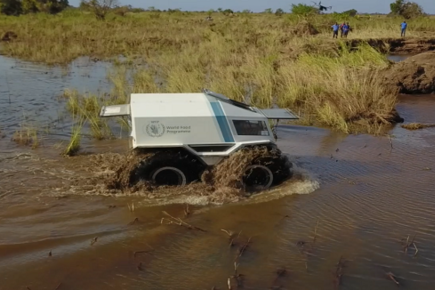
(86, 107)
(417, 126)
(73, 147)
(27, 135)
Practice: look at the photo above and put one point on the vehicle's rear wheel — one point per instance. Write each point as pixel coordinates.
(170, 168)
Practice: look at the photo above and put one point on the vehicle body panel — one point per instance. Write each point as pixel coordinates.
(207, 124)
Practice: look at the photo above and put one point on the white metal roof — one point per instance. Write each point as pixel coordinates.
(184, 105)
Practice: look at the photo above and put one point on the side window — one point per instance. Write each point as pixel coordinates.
(253, 128)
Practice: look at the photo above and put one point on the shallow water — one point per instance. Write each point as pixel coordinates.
(398, 58)
(364, 194)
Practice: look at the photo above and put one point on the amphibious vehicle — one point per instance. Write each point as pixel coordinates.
(189, 133)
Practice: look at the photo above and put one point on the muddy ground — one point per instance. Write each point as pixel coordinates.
(415, 75)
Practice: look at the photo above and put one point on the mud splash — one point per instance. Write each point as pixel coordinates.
(109, 174)
(112, 175)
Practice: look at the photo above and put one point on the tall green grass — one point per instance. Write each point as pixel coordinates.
(257, 58)
(338, 92)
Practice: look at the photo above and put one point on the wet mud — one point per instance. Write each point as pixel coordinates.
(415, 75)
(357, 213)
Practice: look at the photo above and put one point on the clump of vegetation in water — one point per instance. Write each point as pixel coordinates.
(417, 126)
(73, 146)
(27, 135)
(87, 107)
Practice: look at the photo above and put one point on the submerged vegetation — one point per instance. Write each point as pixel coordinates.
(417, 126)
(27, 135)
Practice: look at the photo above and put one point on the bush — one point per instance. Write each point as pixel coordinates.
(17, 7)
(228, 12)
(351, 12)
(100, 8)
(11, 7)
(406, 9)
(279, 12)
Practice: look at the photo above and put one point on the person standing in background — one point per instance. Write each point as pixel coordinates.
(341, 29)
(404, 25)
(345, 30)
(335, 28)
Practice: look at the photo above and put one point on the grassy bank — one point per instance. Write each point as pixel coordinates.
(64, 37)
(343, 91)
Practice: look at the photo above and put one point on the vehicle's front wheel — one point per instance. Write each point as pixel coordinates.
(168, 175)
(257, 177)
(264, 172)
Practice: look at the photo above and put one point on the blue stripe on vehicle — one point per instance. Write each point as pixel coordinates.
(222, 121)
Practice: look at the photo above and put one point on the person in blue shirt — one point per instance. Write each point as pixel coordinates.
(404, 25)
(335, 28)
(345, 30)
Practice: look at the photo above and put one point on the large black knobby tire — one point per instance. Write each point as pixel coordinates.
(172, 168)
(257, 175)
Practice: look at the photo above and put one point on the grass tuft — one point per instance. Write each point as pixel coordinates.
(27, 136)
(73, 146)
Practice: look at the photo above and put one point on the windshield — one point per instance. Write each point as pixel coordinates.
(246, 127)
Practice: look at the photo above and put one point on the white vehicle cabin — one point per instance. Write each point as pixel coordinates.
(207, 124)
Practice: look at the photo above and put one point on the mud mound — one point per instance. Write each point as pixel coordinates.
(229, 173)
(8, 36)
(121, 178)
(415, 75)
(304, 28)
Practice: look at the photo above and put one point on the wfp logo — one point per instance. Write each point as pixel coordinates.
(155, 129)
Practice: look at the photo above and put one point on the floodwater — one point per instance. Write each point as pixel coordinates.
(356, 197)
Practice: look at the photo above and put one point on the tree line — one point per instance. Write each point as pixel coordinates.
(18, 7)
(100, 8)
(404, 8)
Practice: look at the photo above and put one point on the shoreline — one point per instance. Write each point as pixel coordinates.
(397, 46)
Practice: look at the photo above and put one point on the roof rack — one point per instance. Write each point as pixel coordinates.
(228, 100)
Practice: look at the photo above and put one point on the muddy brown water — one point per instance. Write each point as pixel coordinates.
(364, 193)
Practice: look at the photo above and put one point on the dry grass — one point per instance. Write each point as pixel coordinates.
(62, 38)
(339, 88)
(342, 91)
